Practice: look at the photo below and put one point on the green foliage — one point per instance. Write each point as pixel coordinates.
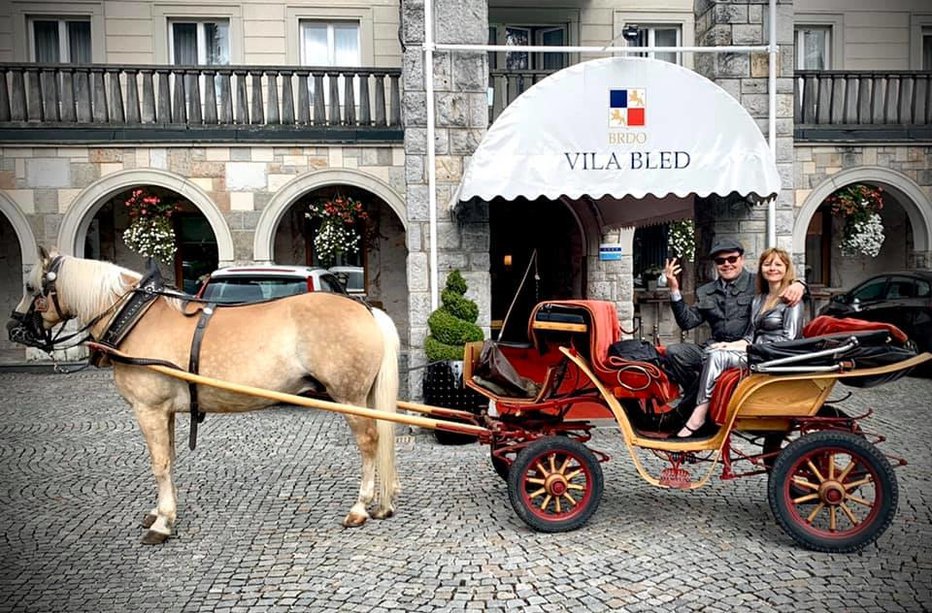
(453, 324)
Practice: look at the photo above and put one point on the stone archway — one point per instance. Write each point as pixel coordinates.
(263, 245)
(27, 240)
(78, 217)
(917, 205)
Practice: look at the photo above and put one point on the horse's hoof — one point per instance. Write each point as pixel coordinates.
(383, 513)
(354, 520)
(154, 538)
(148, 520)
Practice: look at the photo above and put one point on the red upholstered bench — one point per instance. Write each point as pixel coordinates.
(721, 394)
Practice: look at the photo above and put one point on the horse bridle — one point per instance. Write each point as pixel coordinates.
(29, 328)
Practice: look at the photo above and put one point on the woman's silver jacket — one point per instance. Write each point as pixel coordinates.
(778, 323)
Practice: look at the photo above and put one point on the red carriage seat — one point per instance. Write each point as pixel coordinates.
(721, 394)
(590, 327)
(824, 325)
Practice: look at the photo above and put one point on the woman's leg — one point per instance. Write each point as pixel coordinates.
(715, 362)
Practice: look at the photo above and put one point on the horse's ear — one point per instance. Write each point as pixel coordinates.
(43, 254)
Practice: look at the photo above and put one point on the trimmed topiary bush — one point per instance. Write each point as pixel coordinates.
(454, 323)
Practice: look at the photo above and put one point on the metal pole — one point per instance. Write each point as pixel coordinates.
(774, 57)
(433, 273)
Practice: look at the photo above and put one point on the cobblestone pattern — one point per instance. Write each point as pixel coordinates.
(262, 497)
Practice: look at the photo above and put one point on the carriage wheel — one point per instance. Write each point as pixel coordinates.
(555, 484)
(851, 484)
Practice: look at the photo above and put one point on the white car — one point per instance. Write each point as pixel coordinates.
(353, 278)
(239, 284)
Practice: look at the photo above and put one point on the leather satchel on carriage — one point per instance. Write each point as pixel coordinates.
(496, 373)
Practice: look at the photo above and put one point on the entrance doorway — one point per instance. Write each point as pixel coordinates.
(519, 229)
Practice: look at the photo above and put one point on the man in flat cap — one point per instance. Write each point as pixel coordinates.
(724, 304)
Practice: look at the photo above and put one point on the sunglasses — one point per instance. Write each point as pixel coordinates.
(730, 259)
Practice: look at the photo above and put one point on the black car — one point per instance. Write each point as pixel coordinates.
(903, 299)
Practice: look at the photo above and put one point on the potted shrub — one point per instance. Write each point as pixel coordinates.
(452, 325)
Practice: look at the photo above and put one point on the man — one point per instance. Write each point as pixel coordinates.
(724, 304)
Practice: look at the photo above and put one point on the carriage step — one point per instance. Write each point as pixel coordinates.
(675, 478)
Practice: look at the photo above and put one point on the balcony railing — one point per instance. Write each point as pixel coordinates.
(212, 103)
(863, 105)
(829, 105)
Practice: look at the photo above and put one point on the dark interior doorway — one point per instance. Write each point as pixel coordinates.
(518, 228)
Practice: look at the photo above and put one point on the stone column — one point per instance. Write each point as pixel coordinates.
(612, 280)
(745, 76)
(461, 118)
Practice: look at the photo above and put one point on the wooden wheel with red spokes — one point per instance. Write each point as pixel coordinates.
(833, 491)
(555, 484)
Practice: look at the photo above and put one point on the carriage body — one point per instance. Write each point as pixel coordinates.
(816, 456)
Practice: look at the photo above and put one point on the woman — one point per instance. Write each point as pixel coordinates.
(772, 320)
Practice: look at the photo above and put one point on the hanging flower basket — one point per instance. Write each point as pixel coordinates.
(150, 232)
(339, 217)
(860, 206)
(682, 239)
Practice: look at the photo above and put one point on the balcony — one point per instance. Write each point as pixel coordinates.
(214, 104)
(853, 106)
(863, 106)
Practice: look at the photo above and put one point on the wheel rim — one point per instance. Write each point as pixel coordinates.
(843, 486)
(557, 485)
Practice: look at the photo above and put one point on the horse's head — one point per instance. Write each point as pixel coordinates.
(40, 310)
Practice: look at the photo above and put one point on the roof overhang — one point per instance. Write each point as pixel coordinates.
(619, 129)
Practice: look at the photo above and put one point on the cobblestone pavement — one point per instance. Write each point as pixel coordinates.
(262, 497)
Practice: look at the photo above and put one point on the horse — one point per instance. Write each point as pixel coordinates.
(314, 342)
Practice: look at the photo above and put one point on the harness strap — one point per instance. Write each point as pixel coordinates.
(196, 415)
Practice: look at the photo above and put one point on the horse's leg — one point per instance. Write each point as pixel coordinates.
(150, 517)
(157, 425)
(364, 430)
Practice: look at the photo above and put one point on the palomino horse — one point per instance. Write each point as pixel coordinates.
(292, 345)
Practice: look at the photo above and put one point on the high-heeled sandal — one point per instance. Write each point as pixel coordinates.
(692, 431)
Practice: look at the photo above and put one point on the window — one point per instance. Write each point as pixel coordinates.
(927, 48)
(813, 47)
(660, 36)
(199, 42)
(330, 43)
(872, 290)
(55, 41)
(530, 36)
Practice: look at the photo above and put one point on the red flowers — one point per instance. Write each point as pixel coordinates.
(143, 205)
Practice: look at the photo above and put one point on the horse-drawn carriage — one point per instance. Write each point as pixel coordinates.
(830, 487)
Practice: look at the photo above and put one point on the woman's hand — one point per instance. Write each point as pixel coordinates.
(670, 269)
(793, 293)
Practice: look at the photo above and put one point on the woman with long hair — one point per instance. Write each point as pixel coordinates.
(772, 320)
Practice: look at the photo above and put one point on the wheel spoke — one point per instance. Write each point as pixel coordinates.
(805, 498)
(861, 501)
(857, 484)
(553, 463)
(547, 499)
(815, 471)
(536, 481)
(575, 486)
(542, 470)
(537, 493)
(800, 481)
(569, 498)
(815, 512)
(831, 466)
(557, 505)
(573, 475)
(854, 520)
(847, 470)
(832, 522)
(566, 463)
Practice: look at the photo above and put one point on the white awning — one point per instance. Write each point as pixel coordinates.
(621, 128)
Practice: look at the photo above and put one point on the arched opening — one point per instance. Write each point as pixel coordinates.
(196, 251)
(518, 229)
(374, 266)
(11, 283)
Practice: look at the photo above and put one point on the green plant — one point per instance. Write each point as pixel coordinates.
(150, 232)
(339, 217)
(859, 205)
(682, 239)
(453, 324)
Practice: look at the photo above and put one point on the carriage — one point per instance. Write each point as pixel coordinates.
(830, 487)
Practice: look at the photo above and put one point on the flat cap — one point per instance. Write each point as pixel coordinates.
(726, 245)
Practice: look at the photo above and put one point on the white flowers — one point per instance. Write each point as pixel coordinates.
(863, 236)
(151, 237)
(682, 239)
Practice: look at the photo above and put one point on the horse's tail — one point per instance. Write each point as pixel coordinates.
(384, 397)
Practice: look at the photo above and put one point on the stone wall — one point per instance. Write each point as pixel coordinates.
(461, 118)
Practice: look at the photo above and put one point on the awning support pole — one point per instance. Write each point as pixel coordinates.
(772, 119)
(433, 272)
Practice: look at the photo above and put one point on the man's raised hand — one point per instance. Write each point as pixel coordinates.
(670, 269)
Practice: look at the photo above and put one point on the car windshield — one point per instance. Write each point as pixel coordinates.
(253, 289)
